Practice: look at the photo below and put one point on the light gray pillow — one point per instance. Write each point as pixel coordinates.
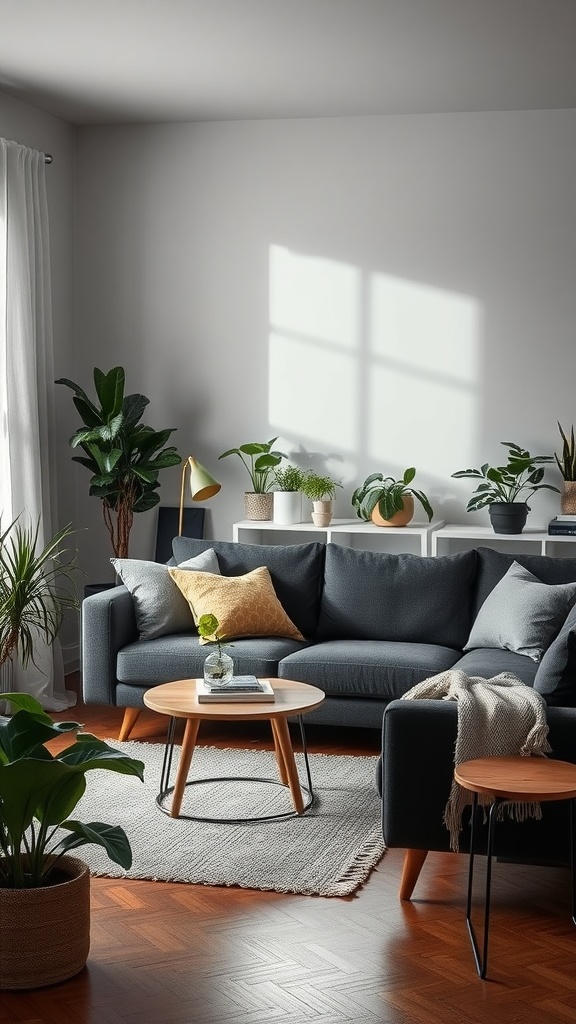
(521, 614)
(159, 606)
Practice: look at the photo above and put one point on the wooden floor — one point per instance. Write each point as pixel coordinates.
(181, 954)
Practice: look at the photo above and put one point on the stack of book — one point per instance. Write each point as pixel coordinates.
(562, 526)
(239, 690)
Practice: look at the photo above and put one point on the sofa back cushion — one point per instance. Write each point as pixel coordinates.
(296, 571)
(493, 565)
(556, 675)
(404, 598)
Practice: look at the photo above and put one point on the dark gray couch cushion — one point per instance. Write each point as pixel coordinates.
(402, 598)
(493, 565)
(487, 662)
(147, 662)
(556, 675)
(296, 571)
(369, 668)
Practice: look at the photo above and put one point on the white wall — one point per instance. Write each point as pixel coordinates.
(382, 292)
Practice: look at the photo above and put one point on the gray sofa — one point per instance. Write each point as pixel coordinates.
(375, 624)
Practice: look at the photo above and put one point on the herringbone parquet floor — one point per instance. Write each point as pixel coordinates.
(182, 954)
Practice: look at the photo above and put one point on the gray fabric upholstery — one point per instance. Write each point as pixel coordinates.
(108, 623)
(556, 675)
(181, 656)
(296, 572)
(370, 668)
(492, 566)
(401, 598)
(487, 663)
(521, 613)
(159, 606)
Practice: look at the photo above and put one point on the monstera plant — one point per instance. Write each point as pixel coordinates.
(123, 455)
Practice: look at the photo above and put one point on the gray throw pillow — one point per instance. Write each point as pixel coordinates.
(556, 675)
(159, 606)
(521, 614)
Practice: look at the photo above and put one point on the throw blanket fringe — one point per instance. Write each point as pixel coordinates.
(496, 717)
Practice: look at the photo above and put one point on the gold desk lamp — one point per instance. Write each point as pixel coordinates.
(202, 486)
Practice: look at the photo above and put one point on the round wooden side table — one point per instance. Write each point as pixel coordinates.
(517, 779)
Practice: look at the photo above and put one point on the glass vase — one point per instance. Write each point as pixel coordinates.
(218, 669)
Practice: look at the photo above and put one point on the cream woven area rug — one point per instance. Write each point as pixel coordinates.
(329, 851)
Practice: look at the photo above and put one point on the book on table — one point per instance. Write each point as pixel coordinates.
(239, 689)
(562, 527)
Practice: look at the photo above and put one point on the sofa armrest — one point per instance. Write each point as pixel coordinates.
(108, 624)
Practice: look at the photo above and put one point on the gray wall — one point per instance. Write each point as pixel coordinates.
(381, 292)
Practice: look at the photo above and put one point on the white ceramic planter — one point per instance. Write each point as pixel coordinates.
(287, 507)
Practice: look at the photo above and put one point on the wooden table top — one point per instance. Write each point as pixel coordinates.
(178, 699)
(519, 778)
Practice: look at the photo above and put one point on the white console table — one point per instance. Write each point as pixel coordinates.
(539, 542)
(415, 538)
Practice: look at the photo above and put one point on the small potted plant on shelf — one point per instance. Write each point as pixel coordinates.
(259, 460)
(44, 893)
(567, 466)
(389, 502)
(288, 496)
(219, 666)
(502, 487)
(321, 491)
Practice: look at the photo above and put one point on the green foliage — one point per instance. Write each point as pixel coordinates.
(522, 472)
(39, 791)
(33, 589)
(289, 477)
(388, 494)
(318, 488)
(123, 455)
(259, 460)
(567, 464)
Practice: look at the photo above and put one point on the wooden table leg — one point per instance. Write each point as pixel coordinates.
(188, 744)
(285, 743)
(413, 862)
(131, 716)
(279, 757)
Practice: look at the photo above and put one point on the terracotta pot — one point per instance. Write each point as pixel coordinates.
(401, 518)
(568, 499)
(45, 933)
(322, 512)
(258, 506)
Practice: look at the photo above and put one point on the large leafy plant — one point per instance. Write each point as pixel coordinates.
(39, 791)
(388, 494)
(35, 589)
(259, 460)
(522, 473)
(123, 455)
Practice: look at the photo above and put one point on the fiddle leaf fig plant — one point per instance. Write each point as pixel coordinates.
(259, 460)
(39, 790)
(522, 473)
(123, 455)
(388, 494)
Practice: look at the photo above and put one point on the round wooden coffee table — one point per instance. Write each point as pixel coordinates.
(179, 700)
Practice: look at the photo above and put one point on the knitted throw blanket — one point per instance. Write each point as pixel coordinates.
(496, 717)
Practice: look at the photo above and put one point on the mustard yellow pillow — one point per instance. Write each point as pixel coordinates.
(244, 605)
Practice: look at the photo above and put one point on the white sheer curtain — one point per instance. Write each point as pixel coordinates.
(26, 381)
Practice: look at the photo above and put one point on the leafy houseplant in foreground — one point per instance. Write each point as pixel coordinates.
(123, 455)
(503, 486)
(219, 666)
(259, 460)
(567, 467)
(389, 502)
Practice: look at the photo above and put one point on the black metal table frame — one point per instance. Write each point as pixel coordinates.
(482, 961)
(166, 789)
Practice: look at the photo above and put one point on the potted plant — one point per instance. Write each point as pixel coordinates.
(567, 466)
(259, 460)
(219, 666)
(321, 490)
(44, 893)
(288, 496)
(389, 502)
(123, 455)
(502, 487)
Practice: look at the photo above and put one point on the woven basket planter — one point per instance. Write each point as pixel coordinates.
(45, 933)
(568, 499)
(258, 506)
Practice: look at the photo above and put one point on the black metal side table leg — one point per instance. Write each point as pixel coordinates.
(481, 961)
(573, 857)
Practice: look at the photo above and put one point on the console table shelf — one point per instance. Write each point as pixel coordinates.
(539, 542)
(415, 538)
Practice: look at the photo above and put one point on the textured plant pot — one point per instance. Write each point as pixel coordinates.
(287, 507)
(322, 513)
(568, 499)
(45, 933)
(401, 518)
(258, 506)
(508, 516)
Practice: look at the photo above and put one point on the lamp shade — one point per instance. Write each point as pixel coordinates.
(202, 485)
